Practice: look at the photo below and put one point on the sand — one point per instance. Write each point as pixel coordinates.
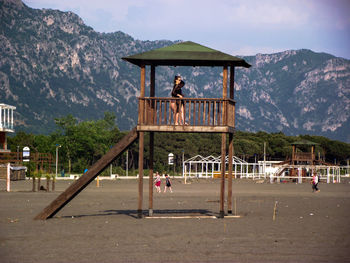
(275, 223)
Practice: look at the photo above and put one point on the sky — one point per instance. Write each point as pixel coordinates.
(236, 27)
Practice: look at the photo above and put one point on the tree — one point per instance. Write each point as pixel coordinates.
(85, 142)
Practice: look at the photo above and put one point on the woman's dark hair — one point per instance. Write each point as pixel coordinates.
(176, 78)
(181, 84)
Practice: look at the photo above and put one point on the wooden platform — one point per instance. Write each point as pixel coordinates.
(185, 128)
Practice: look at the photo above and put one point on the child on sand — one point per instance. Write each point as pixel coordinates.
(167, 183)
(157, 182)
(315, 183)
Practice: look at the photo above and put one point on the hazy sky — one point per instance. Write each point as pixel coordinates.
(237, 27)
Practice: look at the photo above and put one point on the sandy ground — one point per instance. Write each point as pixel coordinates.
(100, 224)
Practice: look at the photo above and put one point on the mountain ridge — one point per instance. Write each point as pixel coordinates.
(70, 68)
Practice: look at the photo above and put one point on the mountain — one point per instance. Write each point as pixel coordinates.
(297, 92)
(52, 64)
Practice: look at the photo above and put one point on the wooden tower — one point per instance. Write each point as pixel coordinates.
(303, 157)
(204, 115)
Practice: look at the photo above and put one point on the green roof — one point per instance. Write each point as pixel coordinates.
(186, 54)
(304, 142)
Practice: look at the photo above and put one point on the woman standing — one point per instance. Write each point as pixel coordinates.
(177, 106)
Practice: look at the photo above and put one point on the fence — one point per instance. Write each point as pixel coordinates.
(197, 111)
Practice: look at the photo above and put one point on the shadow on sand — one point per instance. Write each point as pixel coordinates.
(134, 214)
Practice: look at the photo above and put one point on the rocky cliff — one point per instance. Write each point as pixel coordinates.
(52, 64)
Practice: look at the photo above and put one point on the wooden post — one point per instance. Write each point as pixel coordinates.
(223, 144)
(141, 140)
(142, 95)
(53, 183)
(33, 185)
(39, 182)
(8, 177)
(151, 145)
(293, 153)
(230, 156)
(232, 82)
(224, 96)
(222, 189)
(141, 147)
(224, 83)
(152, 84)
(230, 147)
(47, 183)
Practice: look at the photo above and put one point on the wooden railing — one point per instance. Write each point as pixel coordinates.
(13, 157)
(197, 112)
(303, 156)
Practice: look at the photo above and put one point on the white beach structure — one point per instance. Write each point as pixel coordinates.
(6, 124)
(210, 166)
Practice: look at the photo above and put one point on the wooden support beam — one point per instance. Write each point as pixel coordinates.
(141, 141)
(142, 95)
(223, 169)
(140, 200)
(223, 145)
(293, 153)
(224, 96)
(152, 111)
(232, 82)
(151, 146)
(230, 156)
(230, 144)
(152, 84)
(224, 83)
(150, 197)
(73, 190)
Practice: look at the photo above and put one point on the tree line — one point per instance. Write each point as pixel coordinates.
(83, 143)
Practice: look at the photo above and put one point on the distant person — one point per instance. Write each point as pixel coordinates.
(167, 183)
(157, 182)
(85, 170)
(315, 180)
(177, 106)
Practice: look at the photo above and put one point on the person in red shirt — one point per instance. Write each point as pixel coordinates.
(157, 182)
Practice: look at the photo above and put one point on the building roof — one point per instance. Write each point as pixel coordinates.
(304, 142)
(186, 54)
(6, 106)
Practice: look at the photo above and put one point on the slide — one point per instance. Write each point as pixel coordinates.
(74, 189)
